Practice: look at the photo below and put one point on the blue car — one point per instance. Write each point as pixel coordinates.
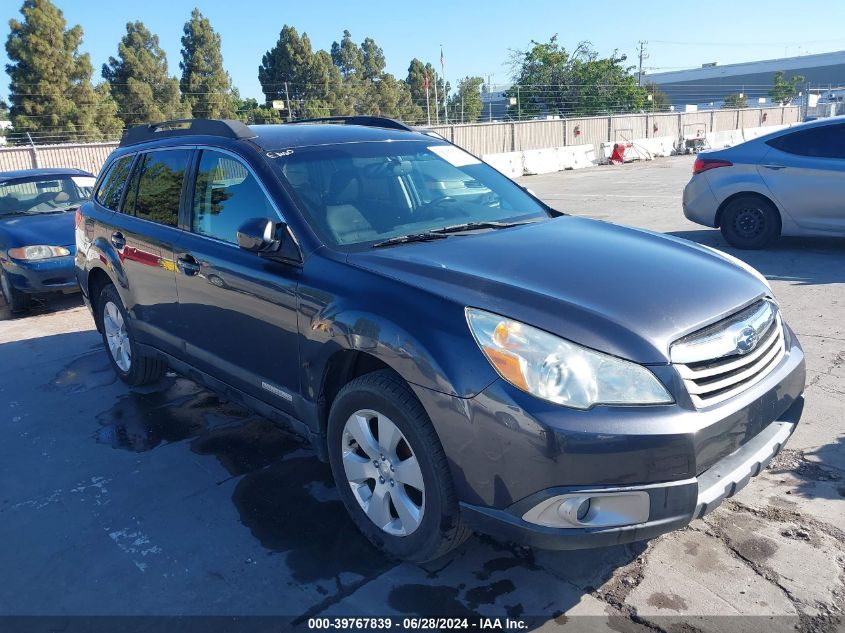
(37, 231)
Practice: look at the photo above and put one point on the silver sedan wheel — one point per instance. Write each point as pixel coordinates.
(117, 336)
(383, 472)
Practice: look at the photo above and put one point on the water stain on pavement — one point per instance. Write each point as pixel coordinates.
(142, 420)
(756, 548)
(488, 594)
(83, 374)
(428, 600)
(291, 506)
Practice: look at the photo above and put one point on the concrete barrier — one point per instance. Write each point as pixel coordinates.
(509, 163)
(576, 156)
(754, 132)
(541, 161)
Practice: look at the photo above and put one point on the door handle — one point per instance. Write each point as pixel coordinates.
(188, 265)
(117, 240)
(774, 166)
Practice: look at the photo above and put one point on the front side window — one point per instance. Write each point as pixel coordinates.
(826, 141)
(157, 186)
(43, 194)
(225, 196)
(358, 194)
(114, 183)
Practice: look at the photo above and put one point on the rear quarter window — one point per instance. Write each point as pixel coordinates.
(826, 141)
(114, 183)
(160, 178)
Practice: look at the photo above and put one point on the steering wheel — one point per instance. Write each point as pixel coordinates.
(447, 203)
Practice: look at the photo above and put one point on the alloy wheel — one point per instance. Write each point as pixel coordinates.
(117, 337)
(383, 472)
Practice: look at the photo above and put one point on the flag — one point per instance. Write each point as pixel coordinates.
(442, 61)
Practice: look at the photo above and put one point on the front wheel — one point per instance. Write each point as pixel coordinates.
(17, 301)
(129, 364)
(391, 471)
(750, 222)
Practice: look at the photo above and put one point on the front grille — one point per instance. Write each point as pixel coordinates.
(710, 381)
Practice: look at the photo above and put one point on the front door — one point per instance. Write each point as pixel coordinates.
(238, 311)
(805, 171)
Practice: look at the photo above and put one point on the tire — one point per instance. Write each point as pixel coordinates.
(435, 527)
(750, 222)
(17, 301)
(129, 364)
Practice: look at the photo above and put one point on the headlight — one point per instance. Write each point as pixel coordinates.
(37, 252)
(559, 371)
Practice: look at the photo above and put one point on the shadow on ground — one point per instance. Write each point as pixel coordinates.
(803, 261)
(42, 304)
(287, 500)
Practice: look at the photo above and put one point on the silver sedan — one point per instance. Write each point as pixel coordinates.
(789, 182)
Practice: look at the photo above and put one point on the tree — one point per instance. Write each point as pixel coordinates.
(465, 105)
(140, 83)
(372, 58)
(50, 90)
(737, 100)
(285, 70)
(4, 117)
(417, 72)
(553, 80)
(347, 56)
(785, 90)
(206, 86)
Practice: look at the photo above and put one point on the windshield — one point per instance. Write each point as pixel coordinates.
(44, 194)
(359, 194)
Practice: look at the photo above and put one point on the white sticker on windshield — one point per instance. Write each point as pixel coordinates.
(454, 155)
(85, 182)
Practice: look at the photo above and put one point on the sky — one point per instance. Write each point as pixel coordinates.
(477, 37)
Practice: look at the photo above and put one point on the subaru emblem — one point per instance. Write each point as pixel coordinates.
(745, 340)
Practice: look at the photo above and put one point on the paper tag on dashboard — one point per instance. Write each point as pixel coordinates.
(454, 155)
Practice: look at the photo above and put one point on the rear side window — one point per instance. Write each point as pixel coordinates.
(226, 195)
(158, 184)
(114, 183)
(827, 141)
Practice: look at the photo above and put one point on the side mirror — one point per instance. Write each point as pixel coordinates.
(258, 235)
(269, 239)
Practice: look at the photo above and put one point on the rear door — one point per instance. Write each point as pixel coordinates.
(805, 171)
(238, 310)
(142, 233)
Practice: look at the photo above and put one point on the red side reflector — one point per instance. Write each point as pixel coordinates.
(704, 164)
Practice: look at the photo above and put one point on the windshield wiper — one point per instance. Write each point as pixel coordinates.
(413, 237)
(474, 226)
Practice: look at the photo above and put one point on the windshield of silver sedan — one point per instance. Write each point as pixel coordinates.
(43, 194)
(386, 193)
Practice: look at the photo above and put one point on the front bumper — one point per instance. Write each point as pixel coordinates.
(48, 275)
(509, 452)
(672, 505)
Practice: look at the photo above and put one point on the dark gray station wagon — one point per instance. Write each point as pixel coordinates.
(463, 356)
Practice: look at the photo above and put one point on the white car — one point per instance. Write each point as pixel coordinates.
(789, 182)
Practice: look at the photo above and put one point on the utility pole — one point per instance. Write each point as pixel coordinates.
(489, 100)
(287, 98)
(643, 55)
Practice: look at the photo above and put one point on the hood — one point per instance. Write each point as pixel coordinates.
(51, 229)
(620, 290)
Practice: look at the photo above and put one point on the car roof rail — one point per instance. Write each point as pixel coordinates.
(367, 121)
(227, 128)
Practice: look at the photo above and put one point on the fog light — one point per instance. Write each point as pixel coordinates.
(591, 509)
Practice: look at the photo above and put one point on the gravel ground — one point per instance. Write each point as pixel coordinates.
(167, 501)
